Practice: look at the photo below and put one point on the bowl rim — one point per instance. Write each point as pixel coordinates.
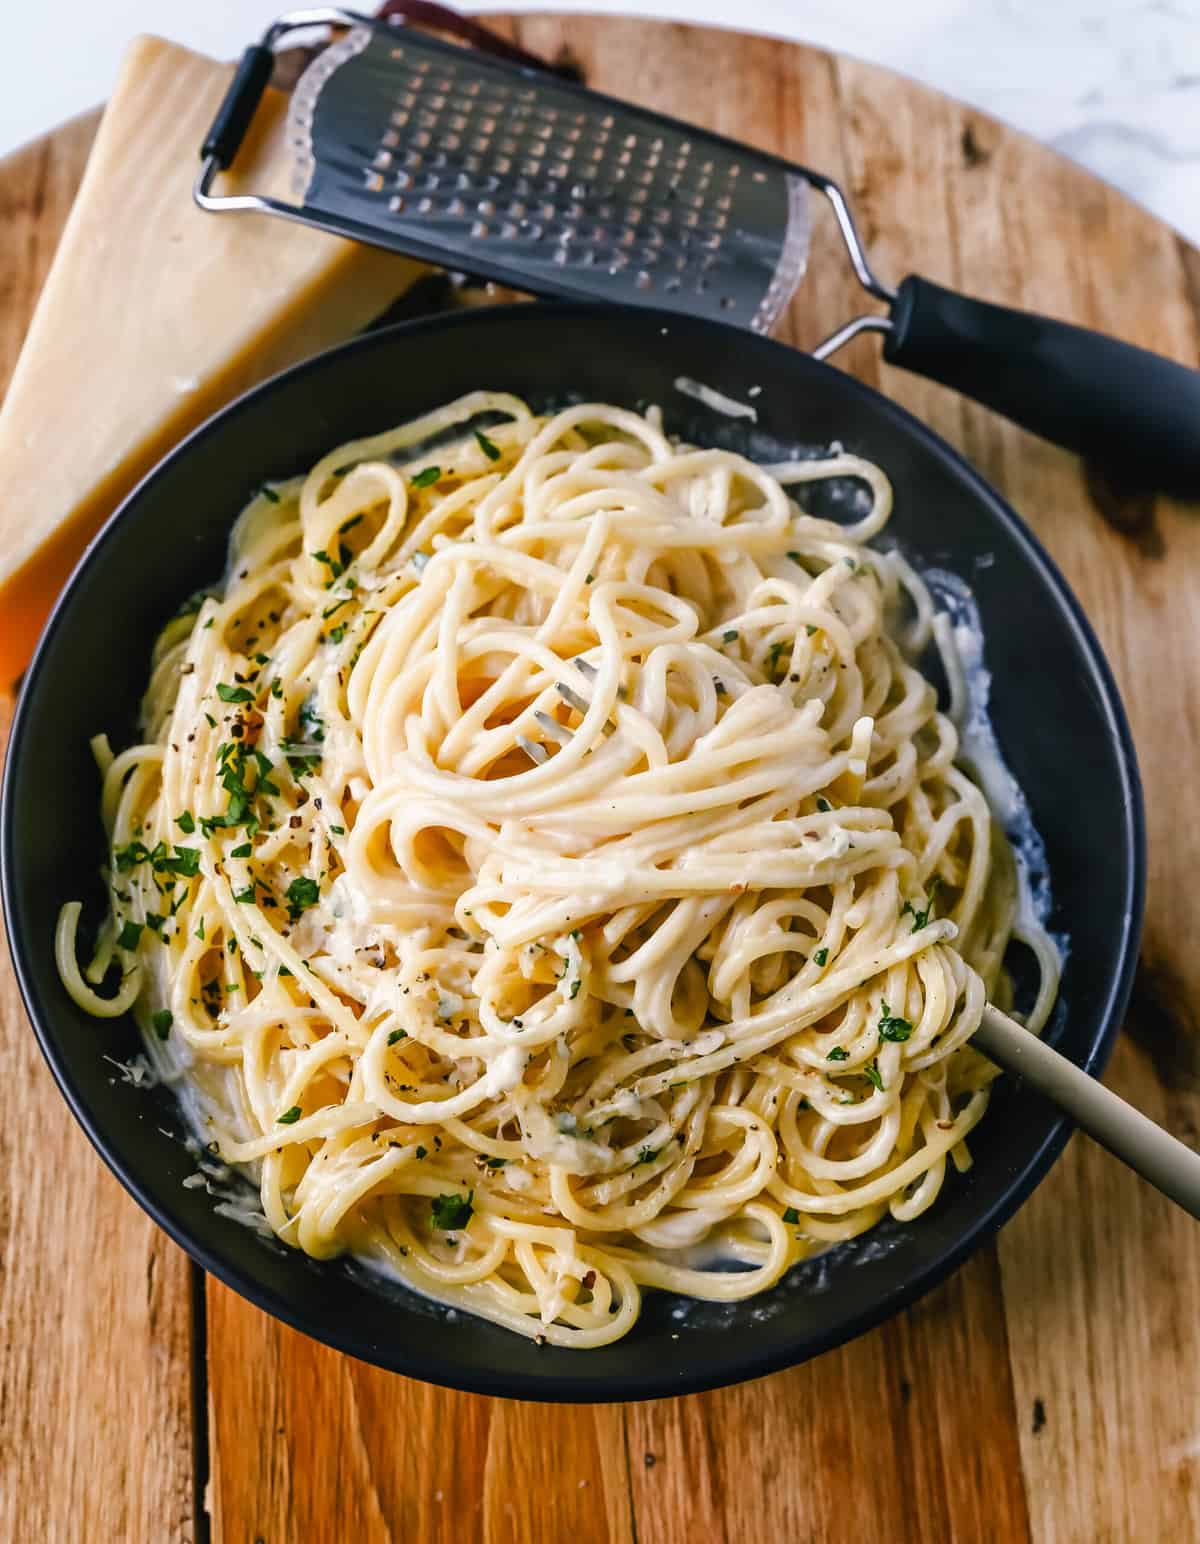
(648, 1383)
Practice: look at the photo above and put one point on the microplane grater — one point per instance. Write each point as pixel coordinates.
(510, 173)
(500, 169)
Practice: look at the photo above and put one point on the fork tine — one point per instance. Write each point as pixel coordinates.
(536, 753)
(569, 695)
(552, 726)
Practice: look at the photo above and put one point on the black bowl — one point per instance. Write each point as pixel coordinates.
(1054, 708)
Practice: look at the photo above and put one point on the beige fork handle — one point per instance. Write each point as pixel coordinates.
(1127, 1133)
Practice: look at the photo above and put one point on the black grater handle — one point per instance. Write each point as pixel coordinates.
(1122, 407)
(237, 107)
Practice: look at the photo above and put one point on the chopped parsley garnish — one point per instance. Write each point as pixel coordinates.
(336, 568)
(212, 723)
(397, 1035)
(427, 477)
(229, 693)
(871, 1073)
(301, 894)
(154, 922)
(921, 918)
(731, 636)
(290, 1117)
(891, 1027)
(821, 956)
(344, 471)
(311, 722)
(338, 830)
(276, 687)
(492, 452)
(791, 1215)
(184, 861)
(809, 629)
(269, 493)
(839, 1053)
(575, 985)
(773, 654)
(200, 930)
(302, 760)
(795, 556)
(495, 1163)
(336, 634)
(233, 762)
(162, 1020)
(186, 822)
(243, 851)
(348, 525)
(422, 1152)
(823, 805)
(452, 1211)
(128, 937)
(647, 1154)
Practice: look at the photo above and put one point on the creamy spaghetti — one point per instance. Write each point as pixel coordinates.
(547, 874)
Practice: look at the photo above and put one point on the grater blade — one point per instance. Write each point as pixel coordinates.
(407, 142)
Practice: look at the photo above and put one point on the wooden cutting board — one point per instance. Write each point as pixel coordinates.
(1051, 1389)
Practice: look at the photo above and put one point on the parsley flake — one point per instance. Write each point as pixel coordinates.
(301, 894)
(922, 918)
(290, 1117)
(427, 477)
(128, 937)
(891, 1027)
(492, 452)
(452, 1211)
(162, 1020)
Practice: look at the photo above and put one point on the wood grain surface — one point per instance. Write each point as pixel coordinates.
(1051, 1390)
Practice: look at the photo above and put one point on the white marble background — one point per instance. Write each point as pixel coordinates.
(1113, 83)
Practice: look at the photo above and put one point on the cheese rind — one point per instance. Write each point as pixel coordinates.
(155, 314)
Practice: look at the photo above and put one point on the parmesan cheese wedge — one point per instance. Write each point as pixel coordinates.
(155, 314)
